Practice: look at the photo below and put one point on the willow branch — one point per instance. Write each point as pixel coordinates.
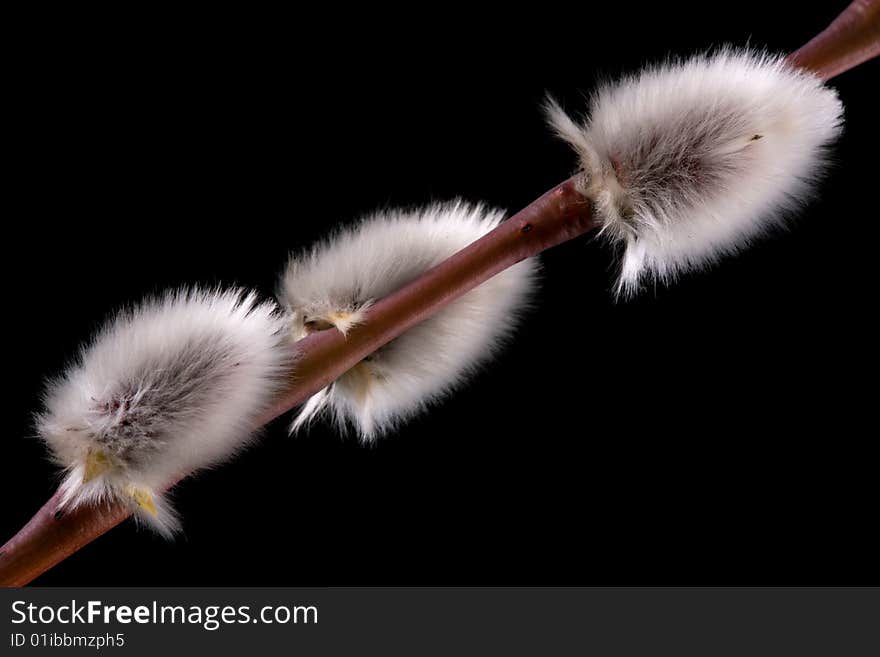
(851, 39)
(559, 215)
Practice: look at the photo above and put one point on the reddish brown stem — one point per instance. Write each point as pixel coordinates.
(853, 38)
(559, 215)
(51, 536)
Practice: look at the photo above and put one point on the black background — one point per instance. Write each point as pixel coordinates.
(715, 432)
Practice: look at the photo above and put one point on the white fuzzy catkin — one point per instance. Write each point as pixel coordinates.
(169, 387)
(333, 285)
(688, 161)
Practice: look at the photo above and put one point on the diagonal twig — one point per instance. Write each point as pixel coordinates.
(558, 216)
